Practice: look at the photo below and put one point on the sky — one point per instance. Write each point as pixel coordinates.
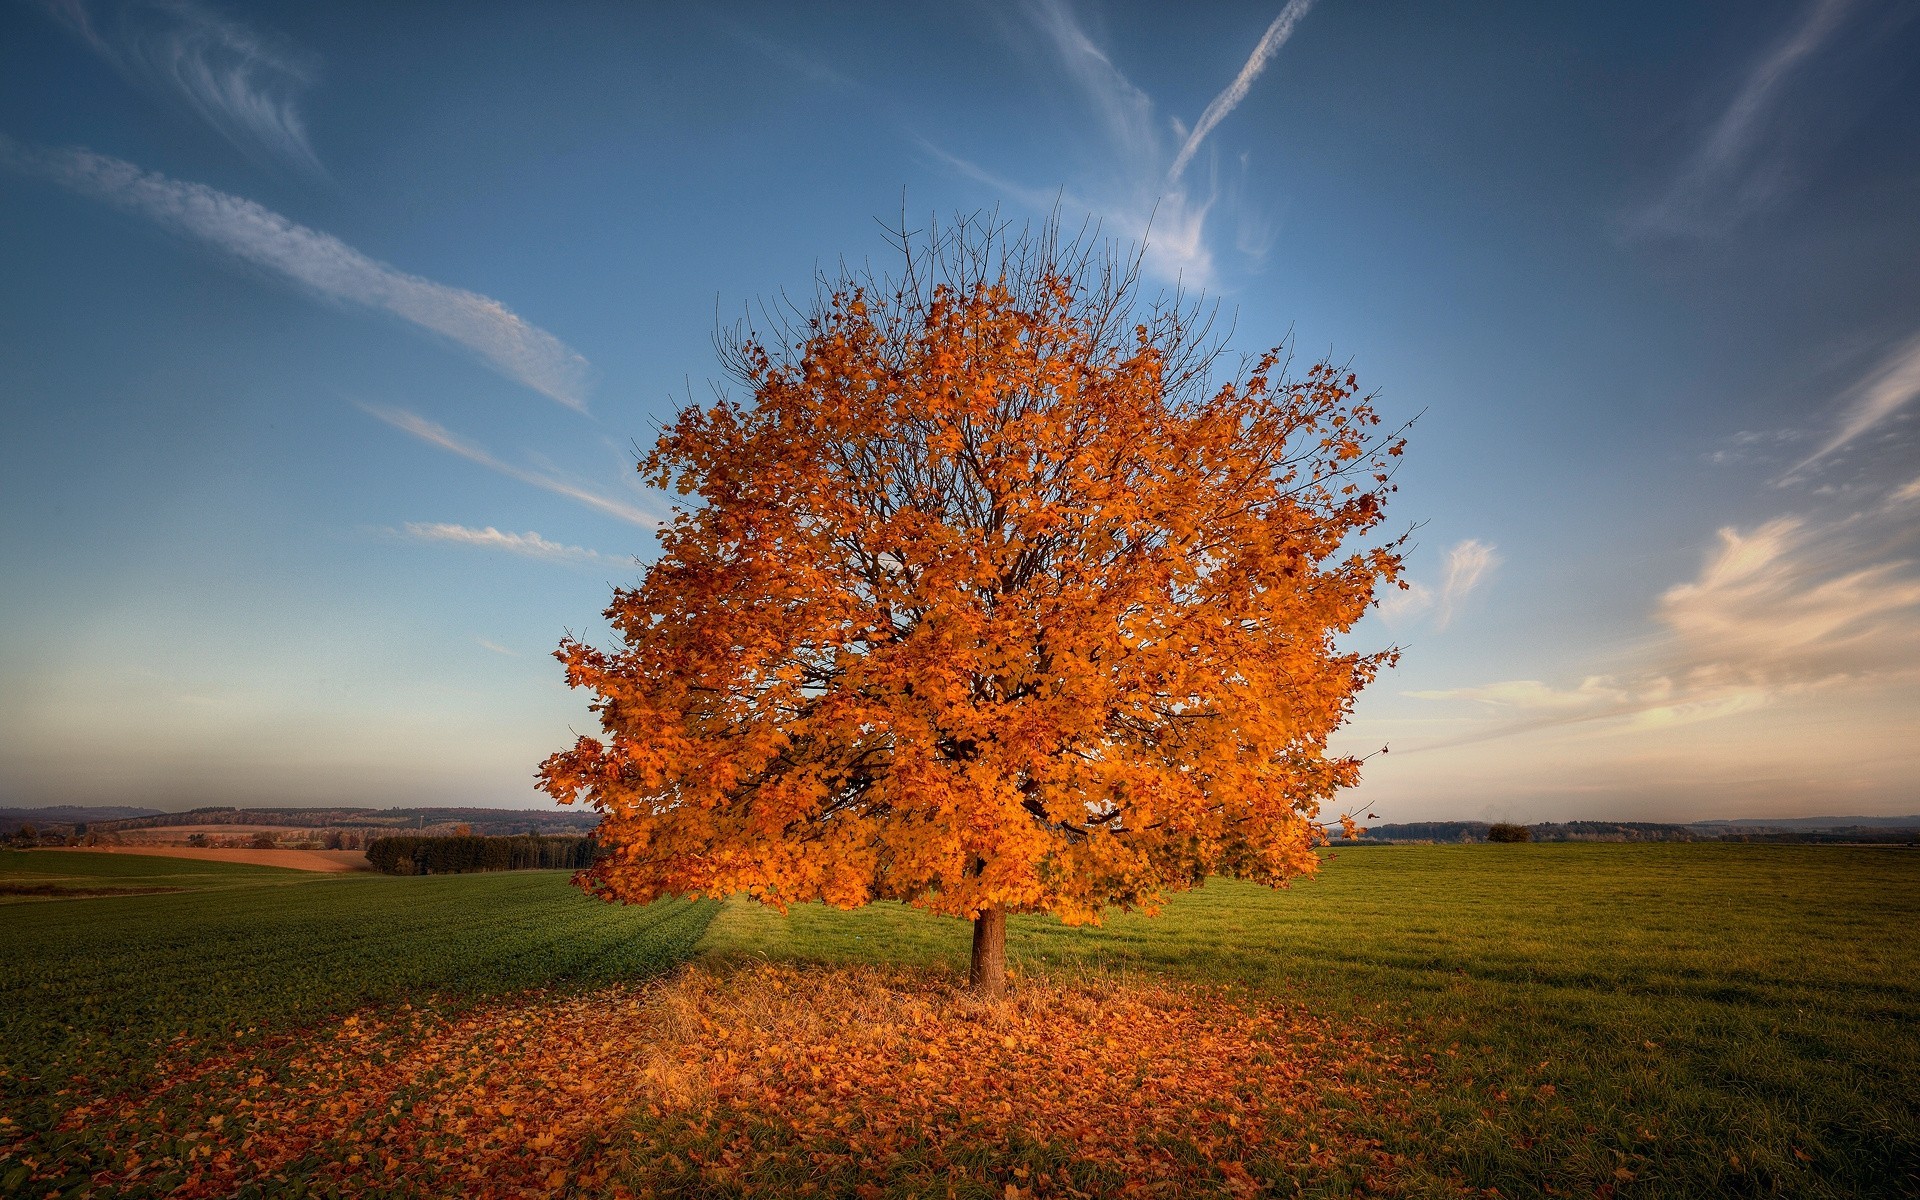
(329, 334)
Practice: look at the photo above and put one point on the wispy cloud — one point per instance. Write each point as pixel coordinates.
(786, 56)
(1125, 110)
(1791, 606)
(1888, 388)
(1404, 604)
(1753, 446)
(1143, 193)
(529, 545)
(1732, 171)
(319, 262)
(438, 435)
(1270, 42)
(1468, 565)
(496, 647)
(1796, 601)
(1531, 695)
(242, 83)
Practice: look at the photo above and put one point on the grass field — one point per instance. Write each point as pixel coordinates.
(106, 990)
(1705, 1018)
(29, 876)
(1650, 1020)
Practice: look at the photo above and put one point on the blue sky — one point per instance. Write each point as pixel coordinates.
(330, 331)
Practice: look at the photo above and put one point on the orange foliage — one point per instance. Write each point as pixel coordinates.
(993, 598)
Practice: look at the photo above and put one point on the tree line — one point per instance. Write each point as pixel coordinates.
(452, 855)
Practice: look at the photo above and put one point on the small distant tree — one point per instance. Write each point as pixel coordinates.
(263, 841)
(1500, 831)
(196, 839)
(993, 598)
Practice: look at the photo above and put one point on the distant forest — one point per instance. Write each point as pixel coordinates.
(370, 823)
(483, 821)
(460, 855)
(1890, 830)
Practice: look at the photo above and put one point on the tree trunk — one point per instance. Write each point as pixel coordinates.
(988, 974)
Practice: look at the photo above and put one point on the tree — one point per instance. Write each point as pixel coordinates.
(995, 598)
(1501, 831)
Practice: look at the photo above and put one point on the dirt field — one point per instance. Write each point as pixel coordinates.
(298, 860)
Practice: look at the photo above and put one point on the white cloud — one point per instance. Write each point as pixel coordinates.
(1791, 607)
(1730, 172)
(1889, 387)
(1143, 196)
(496, 647)
(236, 80)
(319, 262)
(438, 435)
(1403, 604)
(530, 545)
(1793, 602)
(1467, 564)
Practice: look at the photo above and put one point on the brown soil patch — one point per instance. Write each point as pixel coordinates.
(297, 860)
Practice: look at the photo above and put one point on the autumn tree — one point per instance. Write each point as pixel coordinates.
(997, 594)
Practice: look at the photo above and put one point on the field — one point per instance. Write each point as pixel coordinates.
(1670, 1020)
(298, 860)
(62, 874)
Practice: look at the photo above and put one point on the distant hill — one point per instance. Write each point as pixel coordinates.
(1894, 830)
(1814, 823)
(11, 819)
(106, 820)
(1547, 831)
(1428, 831)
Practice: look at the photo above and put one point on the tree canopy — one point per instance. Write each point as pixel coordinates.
(995, 594)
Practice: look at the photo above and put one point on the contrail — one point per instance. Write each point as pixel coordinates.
(320, 262)
(1275, 37)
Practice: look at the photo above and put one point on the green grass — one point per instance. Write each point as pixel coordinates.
(93, 991)
(1712, 1019)
(28, 876)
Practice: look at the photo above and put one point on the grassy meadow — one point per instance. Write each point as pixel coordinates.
(1569, 1019)
(1701, 1018)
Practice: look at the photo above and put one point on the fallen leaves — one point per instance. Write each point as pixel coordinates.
(773, 1080)
(782, 1080)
